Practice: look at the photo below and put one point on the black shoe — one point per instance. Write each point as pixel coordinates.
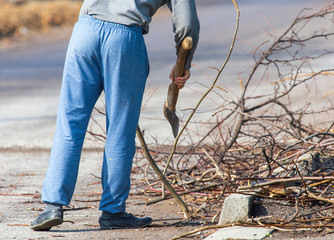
(46, 220)
(122, 220)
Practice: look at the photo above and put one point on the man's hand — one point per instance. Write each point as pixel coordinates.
(179, 81)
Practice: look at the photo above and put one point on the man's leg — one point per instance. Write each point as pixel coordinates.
(125, 69)
(81, 88)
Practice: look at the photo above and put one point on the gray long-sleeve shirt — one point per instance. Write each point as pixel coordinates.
(140, 12)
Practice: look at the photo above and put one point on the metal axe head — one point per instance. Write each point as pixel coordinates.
(172, 118)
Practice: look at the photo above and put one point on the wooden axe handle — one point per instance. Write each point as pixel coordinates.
(173, 90)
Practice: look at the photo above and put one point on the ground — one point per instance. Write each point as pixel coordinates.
(20, 203)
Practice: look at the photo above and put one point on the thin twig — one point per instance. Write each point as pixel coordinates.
(160, 175)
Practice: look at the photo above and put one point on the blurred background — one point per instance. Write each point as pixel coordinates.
(34, 35)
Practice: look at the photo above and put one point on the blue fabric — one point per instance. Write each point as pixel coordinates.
(101, 56)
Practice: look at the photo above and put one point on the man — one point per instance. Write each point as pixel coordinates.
(107, 53)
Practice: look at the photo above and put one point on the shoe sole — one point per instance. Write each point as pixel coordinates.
(110, 228)
(47, 225)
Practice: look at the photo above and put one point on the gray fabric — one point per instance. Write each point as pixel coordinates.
(140, 12)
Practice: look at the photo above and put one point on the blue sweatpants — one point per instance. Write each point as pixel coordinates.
(101, 56)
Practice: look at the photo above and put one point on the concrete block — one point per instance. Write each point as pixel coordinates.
(249, 233)
(236, 208)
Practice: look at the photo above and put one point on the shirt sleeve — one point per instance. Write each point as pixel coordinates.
(185, 23)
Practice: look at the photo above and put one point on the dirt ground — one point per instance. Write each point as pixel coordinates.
(20, 189)
(21, 179)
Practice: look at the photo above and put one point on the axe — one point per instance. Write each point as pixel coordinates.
(173, 91)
